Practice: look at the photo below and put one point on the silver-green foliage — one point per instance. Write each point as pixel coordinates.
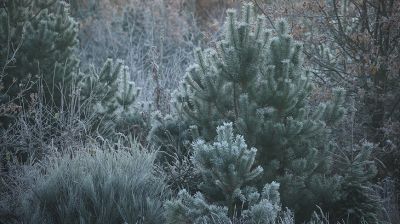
(257, 81)
(227, 169)
(360, 199)
(111, 94)
(194, 209)
(37, 40)
(98, 186)
(226, 166)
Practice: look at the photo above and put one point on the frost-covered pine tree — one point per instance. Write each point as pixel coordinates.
(37, 40)
(112, 95)
(227, 169)
(359, 198)
(257, 81)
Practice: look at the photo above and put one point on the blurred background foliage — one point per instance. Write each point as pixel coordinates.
(78, 75)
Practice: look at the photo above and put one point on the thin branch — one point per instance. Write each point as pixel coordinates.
(265, 14)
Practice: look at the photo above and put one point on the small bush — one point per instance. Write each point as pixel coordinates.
(37, 41)
(227, 168)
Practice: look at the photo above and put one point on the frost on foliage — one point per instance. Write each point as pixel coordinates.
(188, 209)
(255, 79)
(227, 168)
(226, 165)
(112, 95)
(98, 185)
(37, 44)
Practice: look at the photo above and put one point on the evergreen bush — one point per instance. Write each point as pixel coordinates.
(227, 168)
(359, 197)
(38, 39)
(38, 42)
(111, 95)
(257, 82)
